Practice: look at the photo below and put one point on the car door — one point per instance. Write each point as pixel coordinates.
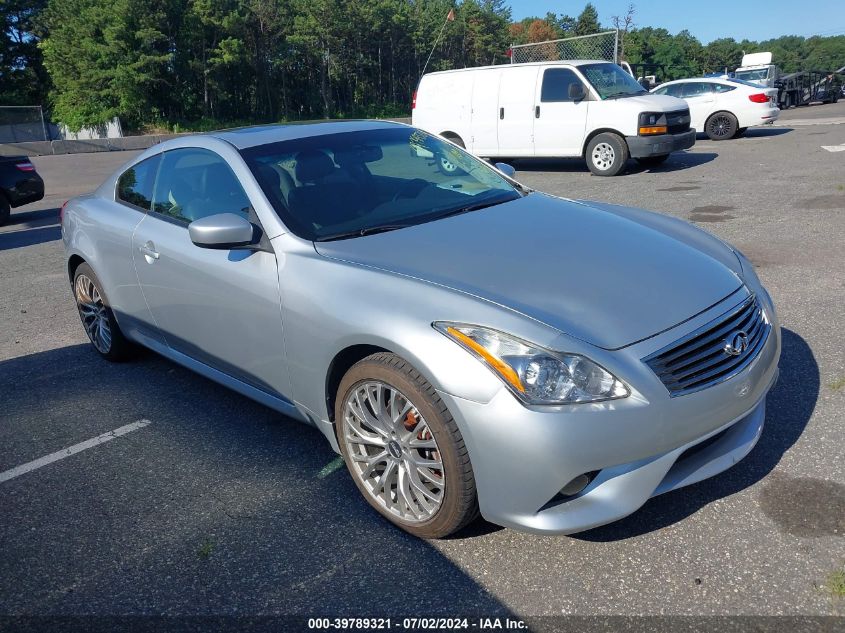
(484, 140)
(219, 307)
(701, 99)
(516, 110)
(559, 121)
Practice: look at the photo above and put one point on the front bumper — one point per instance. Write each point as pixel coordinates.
(645, 146)
(641, 446)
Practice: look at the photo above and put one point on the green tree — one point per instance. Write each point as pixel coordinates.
(587, 22)
(23, 79)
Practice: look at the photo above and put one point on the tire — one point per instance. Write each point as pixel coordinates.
(5, 210)
(721, 126)
(97, 317)
(422, 419)
(652, 161)
(446, 166)
(607, 154)
(740, 132)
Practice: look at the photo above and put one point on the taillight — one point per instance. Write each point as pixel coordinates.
(25, 166)
(759, 98)
(62, 212)
(414, 100)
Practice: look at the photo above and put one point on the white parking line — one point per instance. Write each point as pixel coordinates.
(71, 450)
(834, 148)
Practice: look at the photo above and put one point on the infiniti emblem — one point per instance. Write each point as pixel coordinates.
(736, 343)
(394, 449)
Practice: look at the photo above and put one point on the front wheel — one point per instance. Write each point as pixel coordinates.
(721, 126)
(403, 448)
(607, 154)
(97, 317)
(652, 161)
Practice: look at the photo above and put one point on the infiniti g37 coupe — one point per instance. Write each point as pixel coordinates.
(467, 345)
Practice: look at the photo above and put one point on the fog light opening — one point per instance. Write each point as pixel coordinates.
(577, 485)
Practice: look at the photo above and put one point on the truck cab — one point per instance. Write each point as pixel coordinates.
(591, 109)
(759, 69)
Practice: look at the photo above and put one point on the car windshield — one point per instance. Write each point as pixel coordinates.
(742, 82)
(610, 81)
(752, 75)
(348, 184)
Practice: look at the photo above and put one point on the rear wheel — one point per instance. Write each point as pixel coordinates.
(403, 448)
(97, 317)
(652, 161)
(721, 126)
(447, 165)
(5, 210)
(607, 154)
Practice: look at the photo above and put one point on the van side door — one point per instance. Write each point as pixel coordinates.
(560, 113)
(516, 110)
(484, 138)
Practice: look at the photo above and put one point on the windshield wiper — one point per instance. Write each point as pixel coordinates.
(473, 207)
(617, 95)
(367, 230)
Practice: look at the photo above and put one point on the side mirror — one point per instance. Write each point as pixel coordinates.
(576, 91)
(506, 169)
(222, 230)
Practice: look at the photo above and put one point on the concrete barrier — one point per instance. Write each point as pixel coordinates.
(47, 148)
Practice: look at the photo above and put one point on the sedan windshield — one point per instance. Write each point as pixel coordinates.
(350, 184)
(610, 81)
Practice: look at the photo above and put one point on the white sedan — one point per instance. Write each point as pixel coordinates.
(724, 108)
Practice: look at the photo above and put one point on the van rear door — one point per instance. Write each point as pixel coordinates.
(560, 121)
(516, 110)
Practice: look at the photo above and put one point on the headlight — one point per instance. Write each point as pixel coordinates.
(534, 374)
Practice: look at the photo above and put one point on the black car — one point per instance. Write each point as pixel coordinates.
(19, 184)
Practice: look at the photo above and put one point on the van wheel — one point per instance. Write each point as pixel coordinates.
(721, 126)
(447, 166)
(607, 154)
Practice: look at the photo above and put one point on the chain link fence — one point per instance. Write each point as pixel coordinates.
(603, 45)
(22, 124)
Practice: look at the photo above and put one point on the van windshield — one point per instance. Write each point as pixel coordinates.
(610, 81)
(753, 75)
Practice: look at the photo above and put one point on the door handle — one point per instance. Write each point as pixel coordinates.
(148, 250)
(536, 112)
(501, 113)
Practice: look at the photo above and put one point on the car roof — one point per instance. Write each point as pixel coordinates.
(252, 136)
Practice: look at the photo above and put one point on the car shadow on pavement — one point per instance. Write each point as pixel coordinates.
(29, 237)
(678, 161)
(789, 406)
(219, 506)
(33, 219)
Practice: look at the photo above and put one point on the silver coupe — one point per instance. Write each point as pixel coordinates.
(466, 344)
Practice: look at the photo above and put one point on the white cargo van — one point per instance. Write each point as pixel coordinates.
(591, 109)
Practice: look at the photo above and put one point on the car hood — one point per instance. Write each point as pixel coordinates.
(650, 102)
(595, 273)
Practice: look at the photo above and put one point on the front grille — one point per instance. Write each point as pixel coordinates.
(678, 122)
(714, 353)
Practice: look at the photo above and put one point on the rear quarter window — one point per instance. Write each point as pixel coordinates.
(135, 185)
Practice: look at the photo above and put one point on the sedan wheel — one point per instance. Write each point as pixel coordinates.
(721, 126)
(97, 317)
(392, 451)
(403, 448)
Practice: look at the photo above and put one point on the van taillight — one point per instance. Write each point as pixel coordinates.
(414, 100)
(759, 98)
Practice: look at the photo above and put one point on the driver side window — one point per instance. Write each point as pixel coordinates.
(194, 183)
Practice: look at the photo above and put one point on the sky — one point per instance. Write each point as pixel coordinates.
(753, 19)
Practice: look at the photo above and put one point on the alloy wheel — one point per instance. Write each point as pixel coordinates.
(720, 126)
(392, 451)
(94, 313)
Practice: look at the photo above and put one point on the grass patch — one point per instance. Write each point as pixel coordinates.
(835, 583)
(837, 384)
(205, 550)
(840, 187)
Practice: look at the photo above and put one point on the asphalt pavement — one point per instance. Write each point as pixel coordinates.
(217, 505)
